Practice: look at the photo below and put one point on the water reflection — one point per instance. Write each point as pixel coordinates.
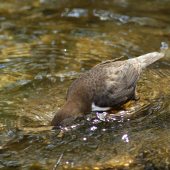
(44, 46)
(125, 138)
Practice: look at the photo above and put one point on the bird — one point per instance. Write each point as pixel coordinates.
(108, 84)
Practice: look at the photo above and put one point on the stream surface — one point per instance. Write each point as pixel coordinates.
(44, 46)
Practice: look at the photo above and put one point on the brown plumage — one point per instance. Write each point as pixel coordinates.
(108, 84)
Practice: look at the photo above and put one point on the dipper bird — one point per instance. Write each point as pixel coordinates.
(108, 84)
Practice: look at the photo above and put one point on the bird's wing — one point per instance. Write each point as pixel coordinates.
(119, 86)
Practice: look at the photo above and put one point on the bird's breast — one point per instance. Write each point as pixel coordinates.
(97, 108)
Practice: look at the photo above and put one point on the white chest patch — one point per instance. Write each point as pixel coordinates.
(97, 108)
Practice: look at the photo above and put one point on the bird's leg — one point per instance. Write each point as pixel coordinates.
(135, 97)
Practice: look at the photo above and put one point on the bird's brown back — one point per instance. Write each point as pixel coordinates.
(109, 83)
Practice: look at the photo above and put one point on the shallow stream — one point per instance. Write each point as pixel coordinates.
(44, 46)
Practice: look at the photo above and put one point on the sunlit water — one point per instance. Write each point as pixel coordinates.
(44, 46)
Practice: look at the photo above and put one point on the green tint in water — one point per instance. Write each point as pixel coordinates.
(44, 46)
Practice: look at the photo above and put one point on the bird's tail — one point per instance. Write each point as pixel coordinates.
(148, 59)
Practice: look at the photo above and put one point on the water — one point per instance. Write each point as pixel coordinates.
(44, 46)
